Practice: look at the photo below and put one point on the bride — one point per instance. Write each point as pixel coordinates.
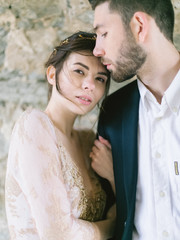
(52, 193)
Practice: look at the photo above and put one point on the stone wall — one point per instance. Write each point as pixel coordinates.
(28, 31)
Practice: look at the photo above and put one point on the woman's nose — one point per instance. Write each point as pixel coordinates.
(88, 84)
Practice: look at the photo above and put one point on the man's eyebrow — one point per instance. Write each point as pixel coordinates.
(81, 64)
(97, 27)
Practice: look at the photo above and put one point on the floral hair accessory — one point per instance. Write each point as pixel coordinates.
(90, 38)
(54, 51)
(66, 41)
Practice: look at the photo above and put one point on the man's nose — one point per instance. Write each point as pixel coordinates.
(98, 50)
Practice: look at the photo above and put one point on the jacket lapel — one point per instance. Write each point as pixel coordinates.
(130, 145)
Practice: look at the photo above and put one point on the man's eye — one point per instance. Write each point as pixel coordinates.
(79, 71)
(104, 35)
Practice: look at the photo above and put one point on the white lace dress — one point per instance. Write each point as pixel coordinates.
(46, 197)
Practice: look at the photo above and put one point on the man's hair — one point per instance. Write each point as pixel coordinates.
(161, 10)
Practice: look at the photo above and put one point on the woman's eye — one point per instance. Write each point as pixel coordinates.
(79, 71)
(101, 79)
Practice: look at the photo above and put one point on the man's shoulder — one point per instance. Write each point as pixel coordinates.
(122, 103)
(123, 93)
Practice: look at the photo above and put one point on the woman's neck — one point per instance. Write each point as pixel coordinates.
(61, 118)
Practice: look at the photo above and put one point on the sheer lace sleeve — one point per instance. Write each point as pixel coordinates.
(35, 165)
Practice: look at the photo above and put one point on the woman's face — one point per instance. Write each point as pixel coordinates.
(82, 81)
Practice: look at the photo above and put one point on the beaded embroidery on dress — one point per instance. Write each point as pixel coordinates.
(86, 206)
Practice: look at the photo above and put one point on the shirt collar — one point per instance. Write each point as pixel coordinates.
(145, 94)
(171, 95)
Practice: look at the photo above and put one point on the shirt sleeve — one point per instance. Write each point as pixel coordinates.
(42, 183)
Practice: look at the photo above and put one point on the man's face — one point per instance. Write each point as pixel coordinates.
(116, 45)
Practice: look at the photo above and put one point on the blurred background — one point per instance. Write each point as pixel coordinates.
(29, 29)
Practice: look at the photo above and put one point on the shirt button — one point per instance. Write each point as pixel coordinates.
(158, 155)
(161, 194)
(175, 109)
(159, 117)
(165, 234)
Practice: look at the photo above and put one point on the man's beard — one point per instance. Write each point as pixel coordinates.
(130, 60)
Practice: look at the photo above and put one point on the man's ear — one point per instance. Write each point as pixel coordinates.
(139, 26)
(51, 72)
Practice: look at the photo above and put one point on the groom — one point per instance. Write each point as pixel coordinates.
(141, 120)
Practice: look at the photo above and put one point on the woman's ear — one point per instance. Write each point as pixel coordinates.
(51, 73)
(139, 26)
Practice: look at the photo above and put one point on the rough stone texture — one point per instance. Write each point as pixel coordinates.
(28, 31)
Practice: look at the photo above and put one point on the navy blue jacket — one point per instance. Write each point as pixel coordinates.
(118, 122)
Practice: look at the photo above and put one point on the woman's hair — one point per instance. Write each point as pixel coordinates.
(80, 41)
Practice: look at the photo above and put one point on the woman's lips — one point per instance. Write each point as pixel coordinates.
(86, 100)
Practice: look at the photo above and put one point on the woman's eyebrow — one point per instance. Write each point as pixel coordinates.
(103, 73)
(85, 66)
(81, 64)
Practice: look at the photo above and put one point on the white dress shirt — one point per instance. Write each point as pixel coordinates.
(157, 214)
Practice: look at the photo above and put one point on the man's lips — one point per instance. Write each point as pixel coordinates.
(107, 64)
(86, 100)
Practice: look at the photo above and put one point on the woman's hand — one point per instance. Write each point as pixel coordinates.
(102, 162)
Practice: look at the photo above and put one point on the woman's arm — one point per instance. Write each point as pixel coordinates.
(41, 180)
